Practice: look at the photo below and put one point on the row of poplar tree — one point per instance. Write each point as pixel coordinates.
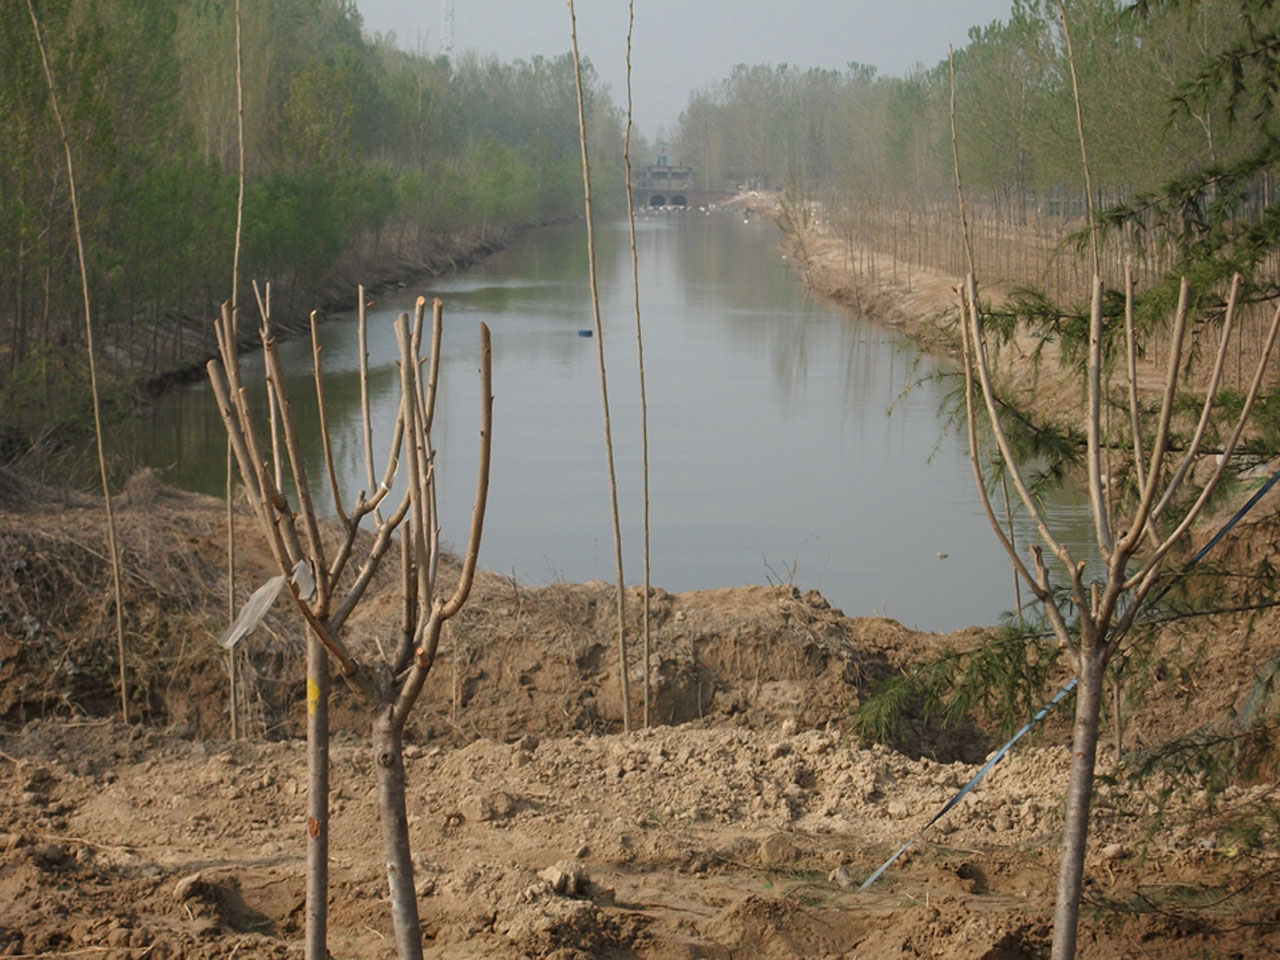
(857, 131)
(352, 145)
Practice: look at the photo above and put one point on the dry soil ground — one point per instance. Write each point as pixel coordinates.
(739, 826)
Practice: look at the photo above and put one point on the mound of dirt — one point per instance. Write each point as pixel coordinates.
(517, 661)
(740, 824)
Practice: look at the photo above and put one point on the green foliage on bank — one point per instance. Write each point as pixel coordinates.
(351, 145)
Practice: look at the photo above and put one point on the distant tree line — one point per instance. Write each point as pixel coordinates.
(353, 145)
(887, 138)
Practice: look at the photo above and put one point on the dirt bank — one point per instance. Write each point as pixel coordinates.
(924, 304)
(183, 344)
(740, 825)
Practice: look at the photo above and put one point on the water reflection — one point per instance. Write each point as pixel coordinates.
(771, 445)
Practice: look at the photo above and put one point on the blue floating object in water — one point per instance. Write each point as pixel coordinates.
(586, 333)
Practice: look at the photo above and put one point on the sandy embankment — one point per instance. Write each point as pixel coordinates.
(923, 303)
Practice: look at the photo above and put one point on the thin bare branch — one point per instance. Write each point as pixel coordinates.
(366, 420)
(417, 460)
(1100, 508)
(1040, 589)
(327, 445)
(433, 375)
(248, 470)
(428, 639)
(1131, 351)
(1224, 460)
(1084, 153)
(381, 541)
(1211, 393)
(1148, 492)
(299, 469)
(463, 589)
(273, 408)
(981, 364)
(955, 159)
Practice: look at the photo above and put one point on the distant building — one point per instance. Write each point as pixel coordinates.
(662, 184)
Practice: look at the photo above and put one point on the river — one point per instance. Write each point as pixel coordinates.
(790, 440)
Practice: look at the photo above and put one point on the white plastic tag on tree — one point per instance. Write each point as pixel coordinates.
(303, 578)
(256, 607)
(252, 612)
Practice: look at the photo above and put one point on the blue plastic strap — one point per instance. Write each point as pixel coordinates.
(996, 757)
(1226, 528)
(1200, 554)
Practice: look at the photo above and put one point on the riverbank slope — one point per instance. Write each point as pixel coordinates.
(924, 303)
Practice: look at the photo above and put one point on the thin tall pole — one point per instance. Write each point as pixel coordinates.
(235, 288)
(93, 367)
(604, 388)
(644, 406)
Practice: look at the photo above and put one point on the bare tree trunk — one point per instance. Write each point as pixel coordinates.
(317, 911)
(1075, 830)
(388, 755)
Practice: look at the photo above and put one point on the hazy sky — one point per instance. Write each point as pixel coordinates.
(681, 45)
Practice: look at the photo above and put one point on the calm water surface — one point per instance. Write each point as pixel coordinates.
(784, 441)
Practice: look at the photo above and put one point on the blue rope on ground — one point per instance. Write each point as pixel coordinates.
(996, 757)
(1057, 698)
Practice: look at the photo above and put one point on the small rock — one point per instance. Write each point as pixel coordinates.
(504, 805)
(898, 809)
(567, 878)
(188, 887)
(119, 937)
(1114, 851)
(778, 849)
(476, 809)
(789, 727)
(413, 752)
(49, 854)
(841, 877)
